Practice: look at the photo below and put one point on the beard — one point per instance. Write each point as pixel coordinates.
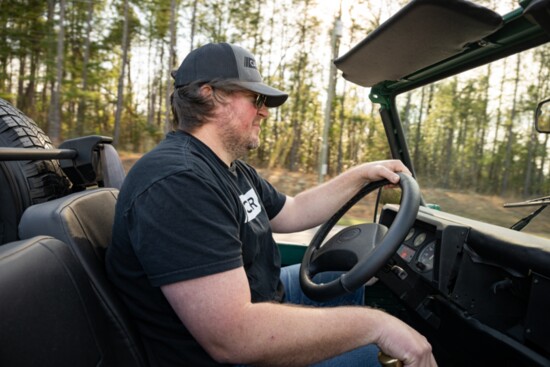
(235, 143)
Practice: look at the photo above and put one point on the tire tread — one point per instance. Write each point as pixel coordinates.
(32, 181)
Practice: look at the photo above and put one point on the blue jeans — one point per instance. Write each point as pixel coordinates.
(360, 357)
(364, 356)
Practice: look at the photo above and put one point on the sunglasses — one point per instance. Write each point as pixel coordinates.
(259, 101)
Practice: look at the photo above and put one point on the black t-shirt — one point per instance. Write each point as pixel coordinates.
(182, 214)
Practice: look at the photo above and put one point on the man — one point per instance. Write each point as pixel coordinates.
(193, 254)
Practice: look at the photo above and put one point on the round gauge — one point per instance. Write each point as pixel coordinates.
(419, 239)
(410, 234)
(425, 260)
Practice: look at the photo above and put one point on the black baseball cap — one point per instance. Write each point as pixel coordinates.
(226, 61)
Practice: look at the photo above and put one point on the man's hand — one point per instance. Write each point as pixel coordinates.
(375, 171)
(400, 341)
(315, 206)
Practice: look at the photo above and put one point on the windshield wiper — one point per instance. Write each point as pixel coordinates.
(543, 202)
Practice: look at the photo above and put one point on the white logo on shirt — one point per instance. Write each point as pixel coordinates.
(251, 205)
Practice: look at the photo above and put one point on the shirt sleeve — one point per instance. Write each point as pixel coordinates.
(183, 228)
(272, 199)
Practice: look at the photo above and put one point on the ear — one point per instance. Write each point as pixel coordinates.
(206, 90)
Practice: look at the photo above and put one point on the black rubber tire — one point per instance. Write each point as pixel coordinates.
(24, 183)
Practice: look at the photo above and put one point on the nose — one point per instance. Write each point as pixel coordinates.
(263, 111)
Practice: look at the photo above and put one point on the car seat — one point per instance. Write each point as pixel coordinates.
(83, 222)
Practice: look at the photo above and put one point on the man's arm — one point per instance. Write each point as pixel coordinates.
(216, 309)
(315, 206)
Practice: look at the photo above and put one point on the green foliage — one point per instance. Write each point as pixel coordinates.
(472, 126)
(460, 120)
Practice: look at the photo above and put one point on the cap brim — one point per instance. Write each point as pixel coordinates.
(275, 97)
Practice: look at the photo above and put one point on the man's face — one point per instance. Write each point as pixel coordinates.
(240, 122)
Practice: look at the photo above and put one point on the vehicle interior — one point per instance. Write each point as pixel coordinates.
(478, 291)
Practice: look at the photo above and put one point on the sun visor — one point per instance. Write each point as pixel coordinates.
(421, 34)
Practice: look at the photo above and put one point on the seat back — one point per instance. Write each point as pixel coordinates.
(111, 166)
(51, 315)
(84, 222)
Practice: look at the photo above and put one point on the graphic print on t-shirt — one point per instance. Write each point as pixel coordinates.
(251, 205)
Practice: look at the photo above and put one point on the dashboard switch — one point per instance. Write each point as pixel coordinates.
(397, 270)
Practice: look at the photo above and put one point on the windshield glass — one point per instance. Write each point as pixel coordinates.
(473, 141)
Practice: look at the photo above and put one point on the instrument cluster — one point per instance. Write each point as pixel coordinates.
(418, 249)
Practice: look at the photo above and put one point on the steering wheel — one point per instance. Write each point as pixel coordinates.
(360, 250)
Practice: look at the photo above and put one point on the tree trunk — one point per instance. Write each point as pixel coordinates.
(331, 91)
(160, 87)
(30, 90)
(171, 57)
(406, 115)
(55, 108)
(86, 59)
(417, 135)
(478, 166)
(493, 171)
(193, 25)
(510, 134)
(541, 171)
(120, 90)
(21, 79)
(531, 148)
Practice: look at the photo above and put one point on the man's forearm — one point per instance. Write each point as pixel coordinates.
(315, 206)
(234, 330)
(285, 335)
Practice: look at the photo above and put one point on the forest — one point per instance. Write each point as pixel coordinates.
(476, 131)
(81, 67)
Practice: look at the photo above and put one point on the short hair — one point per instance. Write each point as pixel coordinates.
(191, 109)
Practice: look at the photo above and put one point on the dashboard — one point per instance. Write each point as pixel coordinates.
(464, 280)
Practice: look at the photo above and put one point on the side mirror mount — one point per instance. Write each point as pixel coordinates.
(542, 117)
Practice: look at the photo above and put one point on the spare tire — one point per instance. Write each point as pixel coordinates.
(24, 183)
